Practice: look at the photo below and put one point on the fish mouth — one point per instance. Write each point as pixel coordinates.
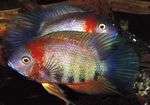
(10, 64)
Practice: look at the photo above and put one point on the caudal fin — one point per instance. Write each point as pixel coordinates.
(123, 67)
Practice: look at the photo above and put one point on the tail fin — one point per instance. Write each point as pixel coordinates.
(123, 67)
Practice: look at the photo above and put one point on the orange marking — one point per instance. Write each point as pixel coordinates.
(90, 25)
(37, 51)
(91, 87)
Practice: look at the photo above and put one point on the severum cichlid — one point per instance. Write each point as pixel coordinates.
(81, 21)
(56, 18)
(85, 62)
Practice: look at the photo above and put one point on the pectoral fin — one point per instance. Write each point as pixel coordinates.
(57, 91)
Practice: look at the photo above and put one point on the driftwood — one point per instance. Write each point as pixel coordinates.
(100, 6)
(131, 6)
(128, 6)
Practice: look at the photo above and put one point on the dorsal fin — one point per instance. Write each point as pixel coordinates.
(28, 6)
(102, 43)
(60, 9)
(25, 27)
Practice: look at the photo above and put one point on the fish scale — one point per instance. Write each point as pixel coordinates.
(71, 66)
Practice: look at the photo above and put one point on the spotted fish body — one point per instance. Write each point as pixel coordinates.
(71, 63)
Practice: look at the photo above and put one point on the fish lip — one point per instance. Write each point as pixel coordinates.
(16, 69)
(10, 65)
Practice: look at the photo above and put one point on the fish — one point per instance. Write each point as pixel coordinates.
(56, 18)
(80, 21)
(85, 62)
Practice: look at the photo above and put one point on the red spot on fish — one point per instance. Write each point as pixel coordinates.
(89, 87)
(37, 50)
(90, 24)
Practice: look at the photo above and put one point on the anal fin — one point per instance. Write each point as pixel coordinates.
(57, 91)
(94, 87)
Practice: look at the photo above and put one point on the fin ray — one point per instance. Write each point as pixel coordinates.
(93, 40)
(56, 90)
(123, 65)
(94, 87)
(26, 27)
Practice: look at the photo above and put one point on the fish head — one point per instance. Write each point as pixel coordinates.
(106, 26)
(21, 61)
(28, 61)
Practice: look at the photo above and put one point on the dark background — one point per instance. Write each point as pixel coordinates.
(17, 90)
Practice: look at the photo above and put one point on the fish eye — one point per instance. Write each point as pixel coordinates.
(26, 60)
(102, 26)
